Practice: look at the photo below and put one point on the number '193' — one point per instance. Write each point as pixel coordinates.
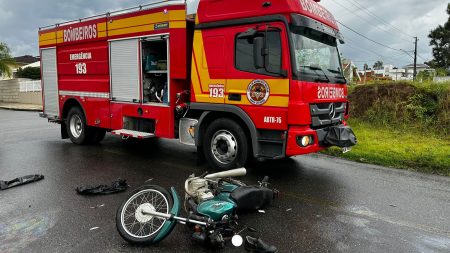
(81, 68)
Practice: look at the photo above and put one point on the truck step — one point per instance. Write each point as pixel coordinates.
(131, 133)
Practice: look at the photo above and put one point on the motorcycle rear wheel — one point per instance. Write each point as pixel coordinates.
(139, 228)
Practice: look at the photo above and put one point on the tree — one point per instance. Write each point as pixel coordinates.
(378, 65)
(5, 60)
(440, 41)
(29, 72)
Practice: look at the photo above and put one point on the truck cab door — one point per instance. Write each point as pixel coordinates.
(209, 66)
(260, 86)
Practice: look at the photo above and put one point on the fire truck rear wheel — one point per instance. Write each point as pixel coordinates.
(77, 129)
(225, 144)
(98, 134)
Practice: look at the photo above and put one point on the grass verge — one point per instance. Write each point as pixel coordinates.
(399, 148)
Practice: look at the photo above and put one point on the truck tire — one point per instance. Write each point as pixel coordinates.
(79, 132)
(225, 145)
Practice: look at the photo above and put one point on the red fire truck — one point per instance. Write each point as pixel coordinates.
(234, 78)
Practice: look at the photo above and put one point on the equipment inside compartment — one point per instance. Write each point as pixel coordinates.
(154, 67)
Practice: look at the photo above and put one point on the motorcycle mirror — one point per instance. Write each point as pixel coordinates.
(237, 240)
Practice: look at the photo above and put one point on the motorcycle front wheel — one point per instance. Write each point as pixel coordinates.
(132, 222)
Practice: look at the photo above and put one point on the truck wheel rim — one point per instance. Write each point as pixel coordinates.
(224, 147)
(135, 222)
(76, 126)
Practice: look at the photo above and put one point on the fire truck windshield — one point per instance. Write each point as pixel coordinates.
(316, 56)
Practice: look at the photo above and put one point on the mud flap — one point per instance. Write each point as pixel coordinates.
(341, 136)
(64, 134)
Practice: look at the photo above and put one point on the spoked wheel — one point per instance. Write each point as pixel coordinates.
(133, 221)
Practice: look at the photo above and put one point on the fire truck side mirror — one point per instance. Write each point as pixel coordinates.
(258, 48)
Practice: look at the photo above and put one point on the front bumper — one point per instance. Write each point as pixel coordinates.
(340, 135)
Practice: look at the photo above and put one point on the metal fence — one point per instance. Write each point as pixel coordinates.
(30, 86)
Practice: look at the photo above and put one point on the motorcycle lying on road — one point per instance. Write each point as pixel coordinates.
(212, 202)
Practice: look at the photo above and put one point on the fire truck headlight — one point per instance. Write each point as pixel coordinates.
(305, 140)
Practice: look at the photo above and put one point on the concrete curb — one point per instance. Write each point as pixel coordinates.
(21, 109)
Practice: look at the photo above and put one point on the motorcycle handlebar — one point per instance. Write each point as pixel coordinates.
(229, 173)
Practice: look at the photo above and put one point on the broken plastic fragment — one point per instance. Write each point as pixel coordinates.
(93, 207)
(20, 181)
(252, 229)
(261, 211)
(94, 228)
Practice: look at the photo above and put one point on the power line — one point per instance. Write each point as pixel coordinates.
(354, 45)
(369, 50)
(362, 8)
(365, 61)
(381, 57)
(361, 48)
(376, 42)
(368, 21)
(423, 50)
(424, 60)
(407, 53)
(369, 61)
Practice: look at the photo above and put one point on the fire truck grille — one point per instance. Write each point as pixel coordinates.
(325, 114)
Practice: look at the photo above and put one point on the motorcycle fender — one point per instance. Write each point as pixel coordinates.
(170, 224)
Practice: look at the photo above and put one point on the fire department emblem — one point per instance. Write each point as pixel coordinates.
(258, 92)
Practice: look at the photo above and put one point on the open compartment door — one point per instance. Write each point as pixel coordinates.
(155, 70)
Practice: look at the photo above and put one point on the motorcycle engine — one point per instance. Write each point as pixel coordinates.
(201, 190)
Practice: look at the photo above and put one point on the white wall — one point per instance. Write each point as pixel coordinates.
(10, 92)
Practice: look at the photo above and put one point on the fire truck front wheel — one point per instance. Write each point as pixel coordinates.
(77, 129)
(225, 144)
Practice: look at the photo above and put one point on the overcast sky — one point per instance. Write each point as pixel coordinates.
(20, 19)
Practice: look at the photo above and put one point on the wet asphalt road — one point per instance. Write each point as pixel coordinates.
(327, 204)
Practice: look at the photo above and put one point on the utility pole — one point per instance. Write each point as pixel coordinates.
(365, 73)
(415, 59)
